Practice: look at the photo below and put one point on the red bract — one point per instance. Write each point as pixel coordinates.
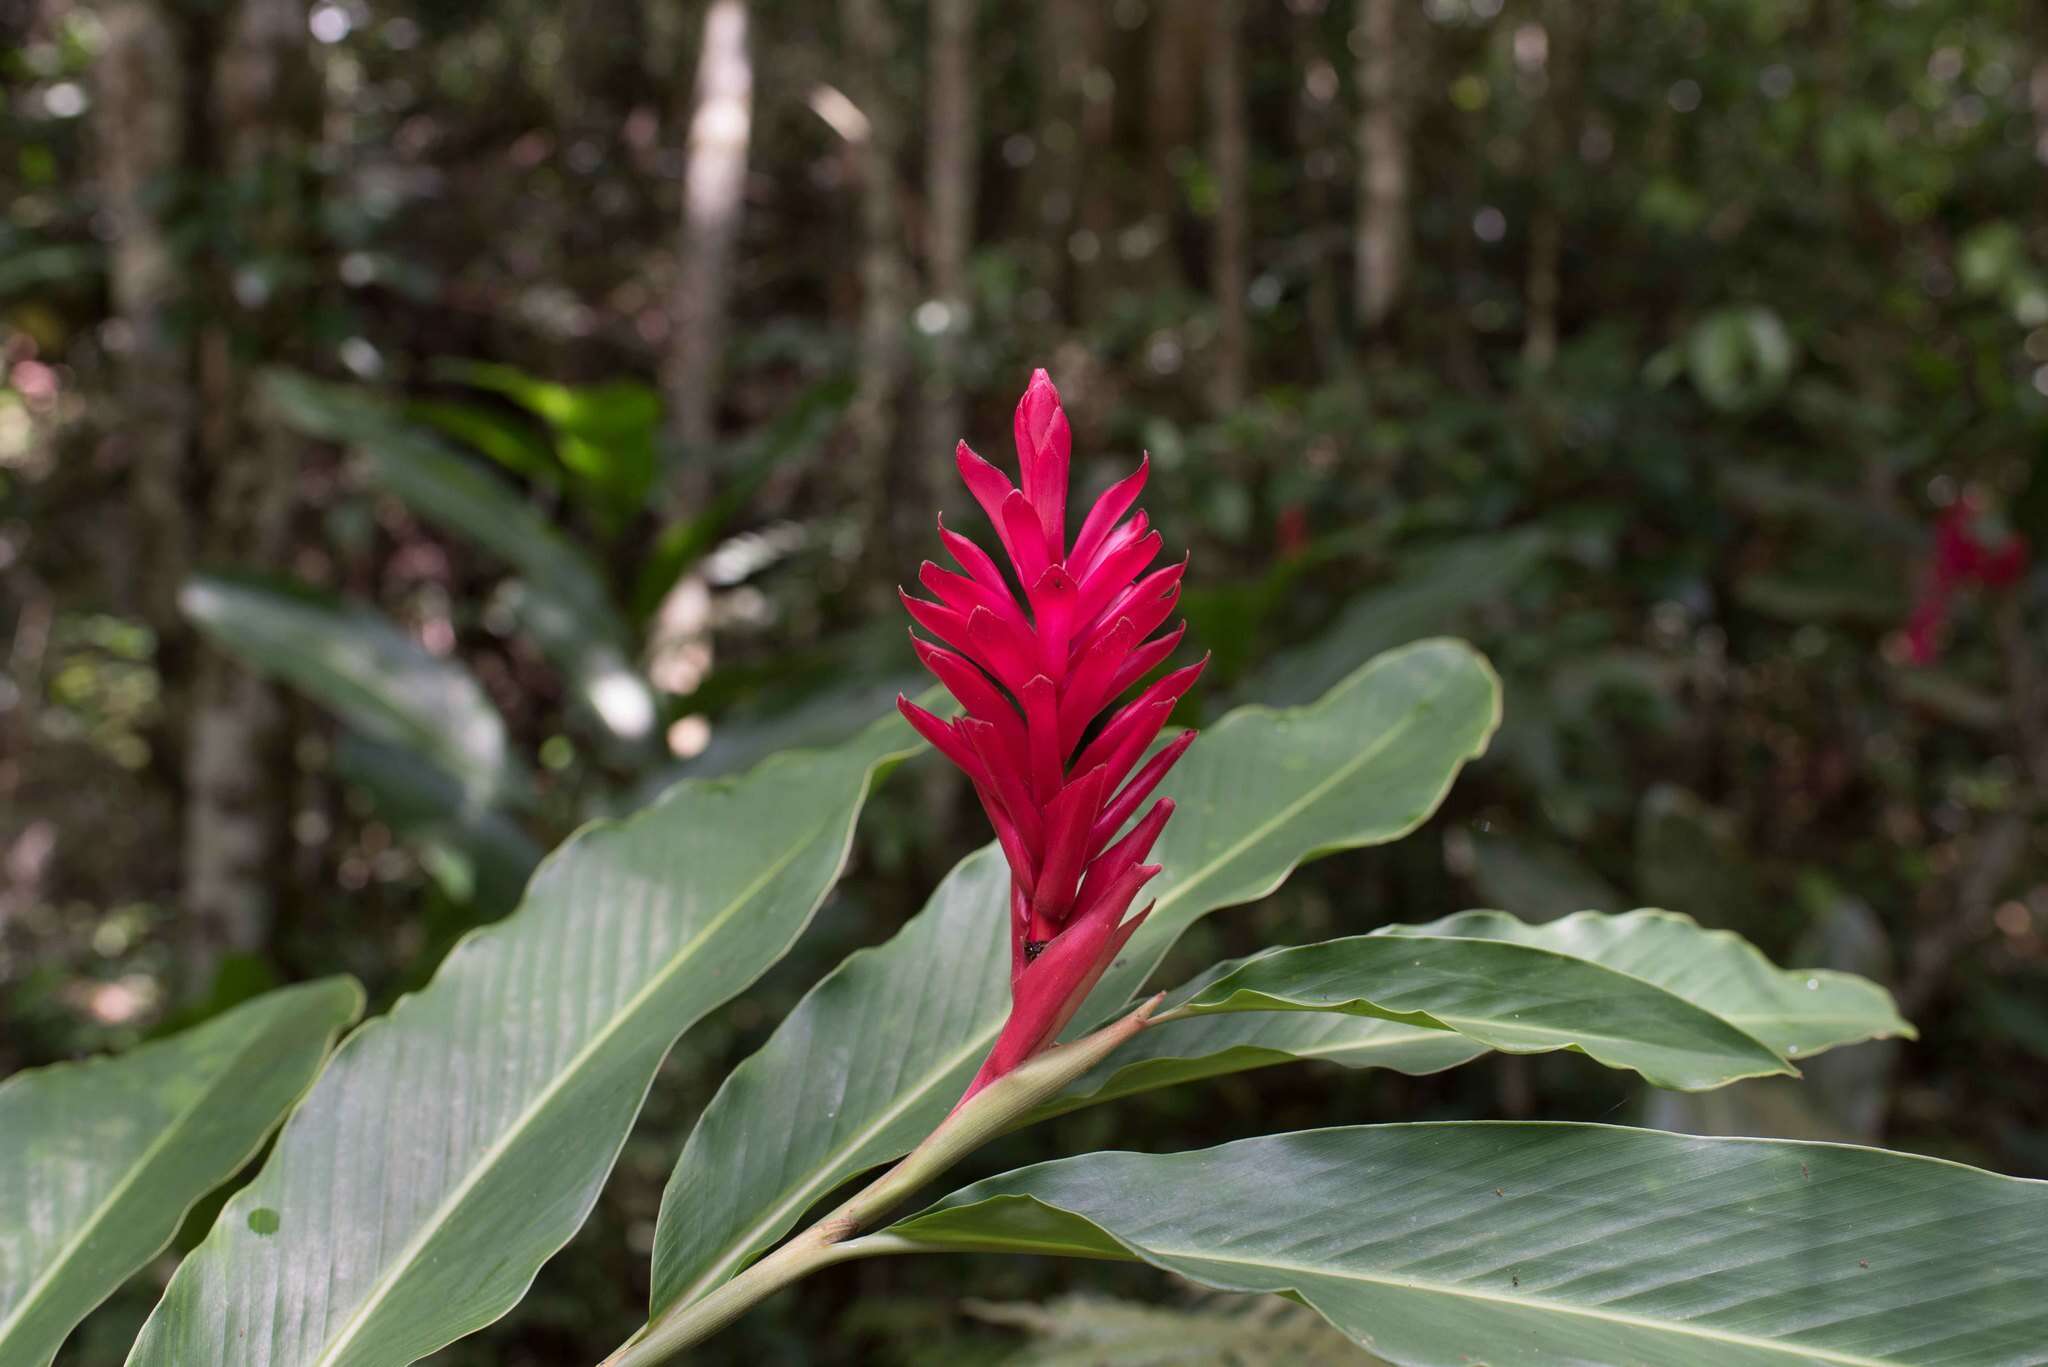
(1961, 558)
(1032, 678)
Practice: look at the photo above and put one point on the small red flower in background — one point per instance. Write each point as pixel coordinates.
(1290, 529)
(1961, 559)
(1031, 683)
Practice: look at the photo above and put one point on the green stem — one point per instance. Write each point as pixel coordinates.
(994, 1110)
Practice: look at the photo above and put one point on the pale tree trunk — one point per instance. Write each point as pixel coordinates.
(679, 647)
(1383, 154)
(141, 130)
(713, 195)
(949, 199)
(1227, 246)
(951, 145)
(870, 39)
(266, 111)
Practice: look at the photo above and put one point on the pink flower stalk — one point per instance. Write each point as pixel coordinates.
(1032, 678)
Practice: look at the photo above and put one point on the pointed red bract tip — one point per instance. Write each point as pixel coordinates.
(1036, 678)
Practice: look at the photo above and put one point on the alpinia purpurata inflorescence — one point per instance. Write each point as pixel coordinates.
(1032, 679)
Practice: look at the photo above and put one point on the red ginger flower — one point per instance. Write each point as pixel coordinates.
(1032, 679)
(1962, 557)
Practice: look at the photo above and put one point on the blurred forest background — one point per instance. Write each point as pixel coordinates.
(426, 427)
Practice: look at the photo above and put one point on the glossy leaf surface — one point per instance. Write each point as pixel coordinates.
(103, 1158)
(1447, 1244)
(454, 1144)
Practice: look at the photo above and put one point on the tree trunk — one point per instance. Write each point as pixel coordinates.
(1174, 62)
(142, 127)
(1227, 246)
(713, 194)
(1099, 275)
(870, 39)
(2037, 98)
(265, 114)
(1069, 191)
(1546, 240)
(949, 198)
(1383, 203)
(1316, 132)
(602, 68)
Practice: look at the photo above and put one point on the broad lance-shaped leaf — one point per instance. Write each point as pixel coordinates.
(441, 485)
(379, 680)
(1448, 1244)
(892, 1035)
(561, 599)
(1511, 997)
(455, 1144)
(1798, 1012)
(99, 1161)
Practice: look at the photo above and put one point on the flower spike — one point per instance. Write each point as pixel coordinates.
(1035, 678)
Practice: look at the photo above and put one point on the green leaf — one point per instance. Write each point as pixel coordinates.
(604, 433)
(1198, 1047)
(39, 268)
(103, 1158)
(1507, 996)
(1740, 357)
(1797, 1012)
(443, 486)
(894, 1033)
(562, 600)
(455, 1144)
(505, 438)
(1227, 1331)
(375, 677)
(1554, 1243)
(1714, 970)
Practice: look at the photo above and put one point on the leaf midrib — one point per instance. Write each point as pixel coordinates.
(149, 1155)
(491, 1156)
(1894, 1027)
(1460, 1024)
(809, 1191)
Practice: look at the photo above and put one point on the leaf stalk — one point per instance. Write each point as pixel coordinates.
(994, 1110)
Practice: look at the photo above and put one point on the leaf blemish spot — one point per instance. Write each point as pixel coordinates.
(263, 1220)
